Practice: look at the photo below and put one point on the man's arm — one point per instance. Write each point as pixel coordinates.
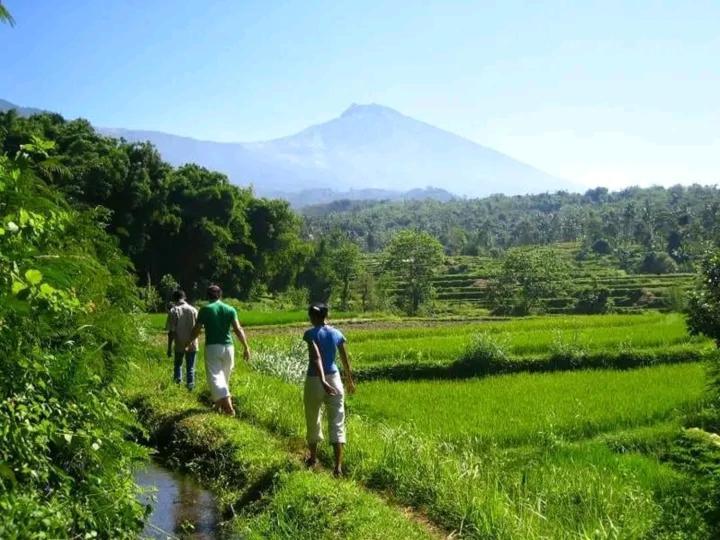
(316, 359)
(350, 383)
(170, 333)
(240, 333)
(196, 331)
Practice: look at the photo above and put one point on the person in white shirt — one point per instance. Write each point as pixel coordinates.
(179, 325)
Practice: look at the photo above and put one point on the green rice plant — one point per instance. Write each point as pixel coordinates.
(304, 505)
(521, 408)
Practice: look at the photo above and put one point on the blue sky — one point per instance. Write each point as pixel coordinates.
(602, 93)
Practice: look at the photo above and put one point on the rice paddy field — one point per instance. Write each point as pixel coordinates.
(579, 451)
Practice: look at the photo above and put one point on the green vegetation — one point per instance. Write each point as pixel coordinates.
(548, 486)
(188, 222)
(255, 472)
(527, 409)
(411, 349)
(68, 331)
(599, 453)
(678, 221)
(412, 258)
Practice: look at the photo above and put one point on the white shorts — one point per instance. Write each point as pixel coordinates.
(219, 363)
(314, 397)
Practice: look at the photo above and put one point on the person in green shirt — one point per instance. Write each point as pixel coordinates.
(219, 319)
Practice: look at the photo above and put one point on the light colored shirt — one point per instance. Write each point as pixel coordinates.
(328, 339)
(181, 321)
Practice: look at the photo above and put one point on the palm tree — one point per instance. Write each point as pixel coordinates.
(5, 16)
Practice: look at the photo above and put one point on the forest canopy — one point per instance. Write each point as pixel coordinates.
(188, 222)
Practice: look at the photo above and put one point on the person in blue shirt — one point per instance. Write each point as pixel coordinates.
(323, 384)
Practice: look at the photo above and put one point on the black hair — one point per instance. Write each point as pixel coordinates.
(214, 292)
(318, 310)
(178, 295)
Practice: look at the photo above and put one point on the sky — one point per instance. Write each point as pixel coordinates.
(600, 93)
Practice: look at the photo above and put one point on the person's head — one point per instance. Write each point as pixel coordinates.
(214, 293)
(178, 295)
(318, 312)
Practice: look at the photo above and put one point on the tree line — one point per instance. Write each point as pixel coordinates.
(679, 221)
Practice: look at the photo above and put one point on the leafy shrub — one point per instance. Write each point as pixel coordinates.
(168, 284)
(601, 247)
(657, 262)
(68, 329)
(594, 300)
(485, 354)
(287, 363)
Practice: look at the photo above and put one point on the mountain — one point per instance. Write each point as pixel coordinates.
(22, 111)
(368, 147)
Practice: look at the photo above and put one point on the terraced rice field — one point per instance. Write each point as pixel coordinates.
(465, 280)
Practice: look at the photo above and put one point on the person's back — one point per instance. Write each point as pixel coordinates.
(328, 340)
(219, 319)
(180, 325)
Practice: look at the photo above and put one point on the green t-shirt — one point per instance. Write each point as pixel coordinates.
(217, 318)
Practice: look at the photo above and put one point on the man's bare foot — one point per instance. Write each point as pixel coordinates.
(338, 473)
(310, 462)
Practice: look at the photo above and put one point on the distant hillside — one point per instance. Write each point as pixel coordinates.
(22, 111)
(368, 147)
(315, 197)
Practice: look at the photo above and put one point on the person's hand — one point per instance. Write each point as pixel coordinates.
(246, 354)
(329, 390)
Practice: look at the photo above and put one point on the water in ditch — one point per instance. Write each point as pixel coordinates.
(180, 507)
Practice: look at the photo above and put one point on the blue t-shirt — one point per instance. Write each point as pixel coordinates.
(328, 339)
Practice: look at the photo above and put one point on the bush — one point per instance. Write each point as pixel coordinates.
(68, 330)
(657, 262)
(601, 247)
(485, 354)
(594, 300)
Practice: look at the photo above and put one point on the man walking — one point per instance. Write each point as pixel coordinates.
(218, 319)
(179, 325)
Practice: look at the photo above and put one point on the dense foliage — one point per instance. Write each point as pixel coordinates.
(413, 257)
(527, 277)
(704, 307)
(679, 221)
(68, 331)
(187, 222)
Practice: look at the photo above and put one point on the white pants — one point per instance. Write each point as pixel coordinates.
(314, 397)
(219, 363)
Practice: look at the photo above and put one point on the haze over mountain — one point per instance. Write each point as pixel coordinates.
(368, 147)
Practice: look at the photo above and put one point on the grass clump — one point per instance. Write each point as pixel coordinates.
(304, 505)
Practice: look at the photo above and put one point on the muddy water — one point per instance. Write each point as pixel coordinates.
(180, 507)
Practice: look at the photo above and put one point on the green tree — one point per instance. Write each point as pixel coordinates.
(346, 259)
(528, 278)
(413, 258)
(658, 263)
(704, 303)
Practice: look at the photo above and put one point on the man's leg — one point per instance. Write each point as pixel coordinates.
(190, 357)
(177, 372)
(313, 399)
(338, 449)
(335, 406)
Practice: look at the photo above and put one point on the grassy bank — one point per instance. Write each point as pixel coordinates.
(259, 478)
